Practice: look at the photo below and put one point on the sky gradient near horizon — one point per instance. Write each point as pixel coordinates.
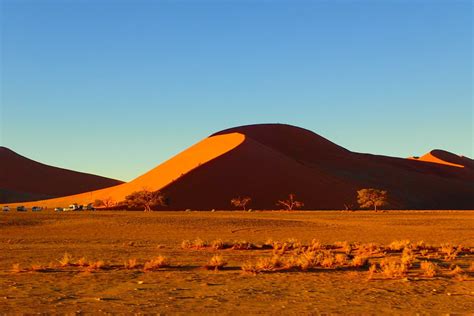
(116, 87)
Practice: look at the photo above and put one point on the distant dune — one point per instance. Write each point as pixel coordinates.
(269, 161)
(22, 179)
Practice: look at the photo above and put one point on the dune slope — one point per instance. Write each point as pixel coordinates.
(22, 179)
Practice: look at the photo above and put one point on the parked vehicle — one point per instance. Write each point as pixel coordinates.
(89, 207)
(75, 207)
(21, 209)
(58, 209)
(6, 208)
(36, 208)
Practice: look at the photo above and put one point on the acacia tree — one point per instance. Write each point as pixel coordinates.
(371, 198)
(241, 202)
(106, 203)
(146, 199)
(291, 203)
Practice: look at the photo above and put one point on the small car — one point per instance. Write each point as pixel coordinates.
(6, 208)
(36, 208)
(21, 208)
(58, 209)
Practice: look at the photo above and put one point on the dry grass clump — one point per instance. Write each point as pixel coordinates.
(130, 264)
(429, 269)
(393, 268)
(156, 263)
(360, 261)
(197, 243)
(368, 250)
(263, 265)
(82, 262)
(399, 245)
(407, 257)
(217, 262)
(218, 244)
(343, 246)
(66, 260)
(372, 270)
(94, 266)
(16, 268)
(450, 251)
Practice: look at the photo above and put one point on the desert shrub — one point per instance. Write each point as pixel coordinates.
(217, 262)
(429, 268)
(291, 203)
(241, 202)
(156, 263)
(368, 198)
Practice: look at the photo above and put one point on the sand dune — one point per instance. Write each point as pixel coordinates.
(22, 179)
(269, 161)
(446, 158)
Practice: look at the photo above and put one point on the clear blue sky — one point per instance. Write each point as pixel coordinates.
(117, 87)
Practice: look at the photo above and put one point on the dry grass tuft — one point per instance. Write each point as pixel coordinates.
(217, 244)
(393, 268)
(360, 261)
(372, 270)
(217, 262)
(16, 268)
(399, 245)
(66, 260)
(82, 262)
(429, 269)
(37, 267)
(156, 263)
(130, 263)
(93, 266)
(197, 243)
(450, 251)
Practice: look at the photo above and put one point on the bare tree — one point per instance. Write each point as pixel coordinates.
(291, 203)
(371, 198)
(105, 203)
(146, 199)
(241, 202)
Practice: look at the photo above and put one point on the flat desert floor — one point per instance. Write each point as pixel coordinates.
(33, 280)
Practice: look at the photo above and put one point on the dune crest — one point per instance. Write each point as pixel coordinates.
(446, 158)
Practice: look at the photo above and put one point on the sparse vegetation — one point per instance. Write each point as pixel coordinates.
(241, 202)
(291, 203)
(217, 262)
(146, 200)
(156, 263)
(368, 198)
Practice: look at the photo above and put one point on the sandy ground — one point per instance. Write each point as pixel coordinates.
(186, 288)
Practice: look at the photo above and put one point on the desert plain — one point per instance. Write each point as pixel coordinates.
(107, 251)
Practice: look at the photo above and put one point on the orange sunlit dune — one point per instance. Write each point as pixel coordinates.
(160, 176)
(446, 158)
